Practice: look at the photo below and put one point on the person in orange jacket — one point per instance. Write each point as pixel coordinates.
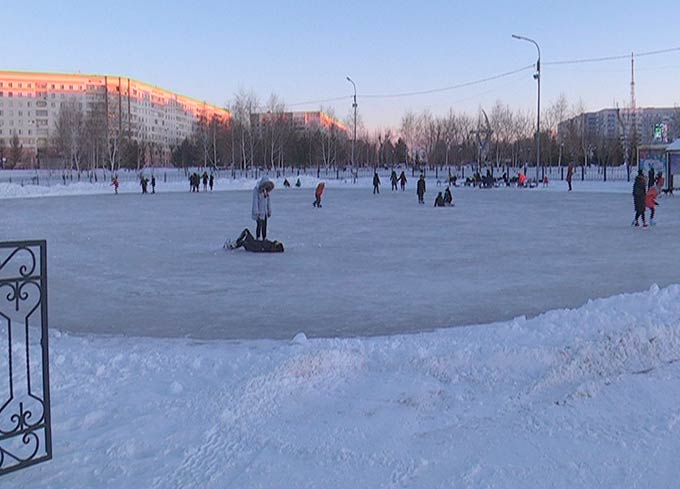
(521, 179)
(318, 193)
(650, 202)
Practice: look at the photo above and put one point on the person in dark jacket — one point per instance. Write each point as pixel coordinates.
(211, 182)
(650, 180)
(205, 181)
(420, 189)
(639, 192)
(247, 241)
(570, 175)
(448, 198)
(394, 180)
(402, 181)
(439, 200)
(153, 184)
(376, 183)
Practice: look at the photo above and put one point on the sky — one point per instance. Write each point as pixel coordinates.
(304, 50)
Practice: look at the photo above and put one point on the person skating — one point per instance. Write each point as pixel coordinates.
(448, 198)
(211, 182)
(115, 185)
(659, 182)
(262, 210)
(376, 183)
(639, 192)
(570, 174)
(153, 184)
(402, 181)
(318, 193)
(420, 189)
(439, 200)
(143, 182)
(650, 179)
(651, 203)
(205, 181)
(394, 180)
(286, 183)
(298, 183)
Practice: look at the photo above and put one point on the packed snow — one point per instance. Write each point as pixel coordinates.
(363, 264)
(571, 398)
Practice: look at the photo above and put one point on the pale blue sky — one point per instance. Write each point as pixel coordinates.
(303, 50)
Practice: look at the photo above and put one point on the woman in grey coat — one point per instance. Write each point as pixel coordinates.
(262, 209)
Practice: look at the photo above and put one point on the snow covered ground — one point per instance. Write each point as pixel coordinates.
(153, 265)
(572, 398)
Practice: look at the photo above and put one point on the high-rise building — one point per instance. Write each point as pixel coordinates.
(299, 121)
(30, 105)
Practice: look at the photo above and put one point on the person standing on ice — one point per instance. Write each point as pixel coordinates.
(262, 209)
(420, 189)
(211, 182)
(448, 198)
(570, 174)
(376, 183)
(394, 180)
(115, 185)
(639, 192)
(153, 184)
(650, 179)
(318, 193)
(402, 181)
(651, 203)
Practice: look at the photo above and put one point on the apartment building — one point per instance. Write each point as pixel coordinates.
(30, 104)
(299, 121)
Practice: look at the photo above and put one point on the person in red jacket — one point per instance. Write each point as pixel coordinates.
(115, 184)
(318, 193)
(650, 202)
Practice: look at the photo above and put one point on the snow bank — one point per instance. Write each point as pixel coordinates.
(572, 398)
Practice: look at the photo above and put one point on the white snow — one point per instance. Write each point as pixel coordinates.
(572, 398)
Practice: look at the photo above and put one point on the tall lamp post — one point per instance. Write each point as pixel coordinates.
(537, 77)
(354, 105)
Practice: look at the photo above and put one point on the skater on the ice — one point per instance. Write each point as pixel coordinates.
(439, 200)
(639, 193)
(402, 181)
(262, 210)
(420, 189)
(143, 181)
(153, 184)
(651, 203)
(570, 174)
(251, 244)
(659, 182)
(448, 198)
(211, 182)
(286, 183)
(394, 180)
(376, 183)
(545, 181)
(318, 193)
(650, 178)
(521, 179)
(205, 181)
(298, 183)
(115, 185)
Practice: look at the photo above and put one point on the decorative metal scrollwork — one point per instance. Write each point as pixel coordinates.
(25, 429)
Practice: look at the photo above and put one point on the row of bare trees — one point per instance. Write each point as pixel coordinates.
(264, 135)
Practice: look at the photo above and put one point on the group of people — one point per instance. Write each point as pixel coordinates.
(144, 182)
(645, 192)
(195, 181)
(445, 200)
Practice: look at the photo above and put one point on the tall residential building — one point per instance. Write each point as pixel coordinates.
(30, 104)
(607, 124)
(299, 121)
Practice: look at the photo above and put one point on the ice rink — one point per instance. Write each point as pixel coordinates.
(153, 265)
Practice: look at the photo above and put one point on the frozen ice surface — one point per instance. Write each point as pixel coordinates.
(153, 265)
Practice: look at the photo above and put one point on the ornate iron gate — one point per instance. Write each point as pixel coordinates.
(25, 430)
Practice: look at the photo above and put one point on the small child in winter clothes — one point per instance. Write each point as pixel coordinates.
(651, 203)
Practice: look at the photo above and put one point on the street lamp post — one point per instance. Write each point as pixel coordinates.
(354, 105)
(537, 77)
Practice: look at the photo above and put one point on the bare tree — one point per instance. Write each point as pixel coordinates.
(70, 133)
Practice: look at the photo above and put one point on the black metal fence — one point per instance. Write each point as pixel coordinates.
(25, 429)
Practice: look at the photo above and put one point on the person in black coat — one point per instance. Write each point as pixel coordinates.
(211, 182)
(153, 184)
(448, 198)
(439, 200)
(420, 189)
(376, 183)
(402, 181)
(639, 191)
(247, 241)
(650, 181)
(394, 180)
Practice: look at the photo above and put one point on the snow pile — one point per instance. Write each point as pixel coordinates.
(572, 398)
